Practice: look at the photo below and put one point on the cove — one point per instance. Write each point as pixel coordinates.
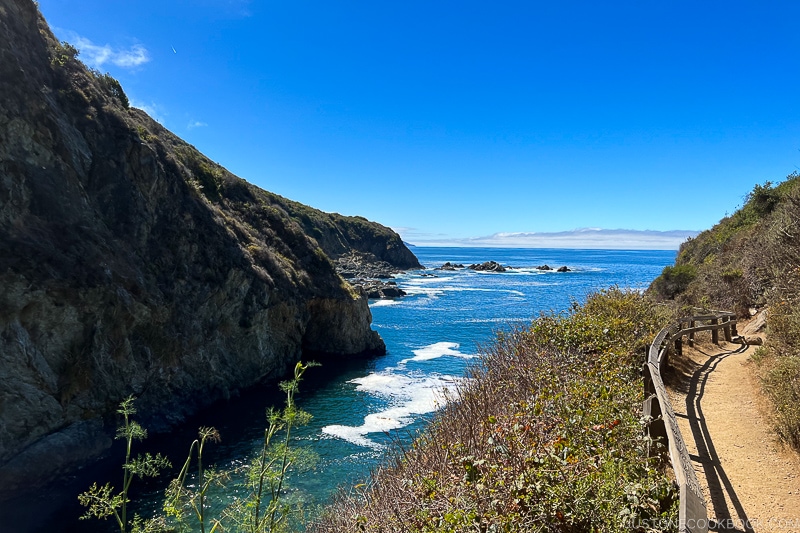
(362, 408)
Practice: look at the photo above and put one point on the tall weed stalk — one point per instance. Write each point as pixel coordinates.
(102, 502)
(181, 498)
(262, 510)
(267, 473)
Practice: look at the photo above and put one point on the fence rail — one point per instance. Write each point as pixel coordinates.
(663, 425)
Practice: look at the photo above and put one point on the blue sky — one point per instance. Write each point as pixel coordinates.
(466, 122)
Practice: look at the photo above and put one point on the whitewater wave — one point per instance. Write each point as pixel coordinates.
(408, 395)
(383, 303)
(436, 350)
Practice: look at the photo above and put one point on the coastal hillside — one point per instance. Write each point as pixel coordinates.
(131, 264)
(750, 262)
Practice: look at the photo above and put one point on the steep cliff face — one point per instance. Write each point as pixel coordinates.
(132, 264)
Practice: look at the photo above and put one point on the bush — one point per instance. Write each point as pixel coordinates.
(782, 385)
(113, 88)
(674, 280)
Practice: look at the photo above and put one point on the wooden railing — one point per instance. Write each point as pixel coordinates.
(663, 425)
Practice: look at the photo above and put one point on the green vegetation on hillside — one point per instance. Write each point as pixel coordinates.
(749, 261)
(546, 435)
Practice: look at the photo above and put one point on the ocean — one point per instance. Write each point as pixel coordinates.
(364, 408)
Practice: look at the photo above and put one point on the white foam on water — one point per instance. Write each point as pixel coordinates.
(383, 303)
(436, 350)
(427, 280)
(499, 320)
(438, 291)
(350, 434)
(427, 291)
(409, 396)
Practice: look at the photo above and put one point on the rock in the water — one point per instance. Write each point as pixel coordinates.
(543, 267)
(488, 266)
(375, 289)
(450, 266)
(564, 269)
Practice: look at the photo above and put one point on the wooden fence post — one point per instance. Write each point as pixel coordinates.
(691, 335)
(656, 429)
(727, 329)
(714, 332)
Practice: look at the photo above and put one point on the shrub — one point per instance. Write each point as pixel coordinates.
(782, 385)
(63, 54)
(113, 88)
(674, 280)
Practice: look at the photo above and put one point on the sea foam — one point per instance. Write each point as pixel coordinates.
(408, 395)
(436, 350)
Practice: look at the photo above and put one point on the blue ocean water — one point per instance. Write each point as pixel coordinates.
(363, 407)
(432, 334)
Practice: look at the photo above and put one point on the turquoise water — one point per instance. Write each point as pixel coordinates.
(361, 407)
(431, 336)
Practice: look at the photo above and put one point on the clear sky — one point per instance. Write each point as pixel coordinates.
(453, 121)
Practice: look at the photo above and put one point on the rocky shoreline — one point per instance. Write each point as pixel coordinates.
(367, 274)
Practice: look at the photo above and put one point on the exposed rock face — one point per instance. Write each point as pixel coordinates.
(358, 265)
(132, 264)
(379, 289)
(488, 266)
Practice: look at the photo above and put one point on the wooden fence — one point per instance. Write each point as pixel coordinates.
(693, 517)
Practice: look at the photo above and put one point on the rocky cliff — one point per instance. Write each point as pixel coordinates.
(132, 264)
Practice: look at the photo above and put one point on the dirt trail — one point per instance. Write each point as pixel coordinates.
(754, 483)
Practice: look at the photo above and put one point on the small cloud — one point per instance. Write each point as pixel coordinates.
(196, 124)
(96, 55)
(582, 238)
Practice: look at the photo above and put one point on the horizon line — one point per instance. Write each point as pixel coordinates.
(583, 238)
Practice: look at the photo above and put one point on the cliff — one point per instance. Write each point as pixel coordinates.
(132, 264)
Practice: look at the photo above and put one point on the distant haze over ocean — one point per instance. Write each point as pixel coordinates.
(583, 238)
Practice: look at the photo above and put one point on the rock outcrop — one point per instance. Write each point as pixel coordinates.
(488, 266)
(132, 264)
(375, 289)
(450, 266)
(355, 265)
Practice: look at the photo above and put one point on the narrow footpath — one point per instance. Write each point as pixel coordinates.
(751, 483)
